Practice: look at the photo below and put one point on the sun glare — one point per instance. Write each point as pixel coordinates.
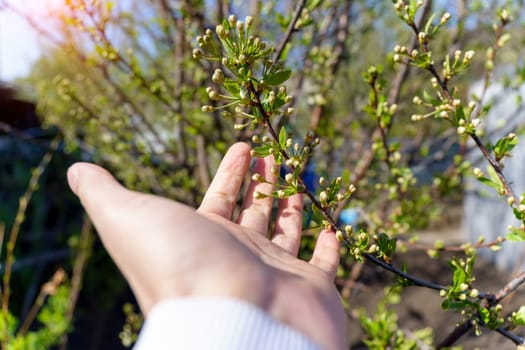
(39, 8)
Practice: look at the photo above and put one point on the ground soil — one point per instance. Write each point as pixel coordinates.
(420, 307)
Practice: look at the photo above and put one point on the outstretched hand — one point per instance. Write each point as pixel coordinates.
(167, 250)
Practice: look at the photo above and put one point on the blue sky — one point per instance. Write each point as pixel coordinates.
(19, 44)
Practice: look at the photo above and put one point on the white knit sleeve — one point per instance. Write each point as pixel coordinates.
(218, 324)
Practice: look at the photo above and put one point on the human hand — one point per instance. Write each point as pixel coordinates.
(168, 250)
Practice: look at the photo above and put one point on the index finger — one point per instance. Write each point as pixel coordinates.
(224, 189)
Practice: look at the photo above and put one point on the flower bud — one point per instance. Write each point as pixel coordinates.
(477, 172)
(249, 21)
(218, 76)
(197, 53)
(232, 19)
(240, 26)
(222, 33)
(468, 56)
(258, 195)
(444, 19)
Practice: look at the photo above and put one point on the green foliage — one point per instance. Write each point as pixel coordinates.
(383, 332)
(52, 324)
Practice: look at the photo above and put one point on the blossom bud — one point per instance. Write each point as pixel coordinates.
(197, 53)
(323, 196)
(477, 172)
(444, 19)
(240, 26)
(232, 19)
(461, 130)
(339, 235)
(258, 195)
(222, 33)
(207, 109)
(289, 178)
(249, 21)
(468, 56)
(218, 76)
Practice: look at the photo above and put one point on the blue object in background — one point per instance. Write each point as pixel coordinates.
(349, 216)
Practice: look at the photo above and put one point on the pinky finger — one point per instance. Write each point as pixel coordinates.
(326, 253)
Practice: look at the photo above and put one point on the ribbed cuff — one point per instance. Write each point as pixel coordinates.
(218, 324)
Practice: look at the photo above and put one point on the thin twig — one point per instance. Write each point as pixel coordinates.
(291, 29)
(13, 236)
(81, 258)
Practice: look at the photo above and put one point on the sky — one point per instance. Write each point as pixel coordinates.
(19, 44)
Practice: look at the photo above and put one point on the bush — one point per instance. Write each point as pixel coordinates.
(376, 93)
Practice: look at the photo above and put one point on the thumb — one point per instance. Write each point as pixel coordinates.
(96, 188)
(114, 211)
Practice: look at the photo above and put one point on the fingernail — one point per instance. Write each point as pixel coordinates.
(72, 178)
